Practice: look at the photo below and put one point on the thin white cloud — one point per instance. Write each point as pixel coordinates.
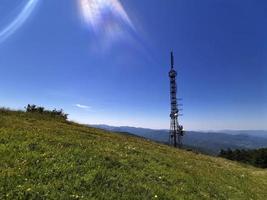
(82, 106)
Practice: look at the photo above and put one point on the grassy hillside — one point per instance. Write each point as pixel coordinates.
(46, 158)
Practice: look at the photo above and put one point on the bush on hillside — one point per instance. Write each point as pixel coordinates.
(41, 110)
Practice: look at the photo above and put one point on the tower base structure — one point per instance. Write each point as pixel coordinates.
(176, 133)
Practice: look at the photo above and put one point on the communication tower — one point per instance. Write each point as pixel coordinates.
(176, 130)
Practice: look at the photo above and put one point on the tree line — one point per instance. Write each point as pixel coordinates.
(255, 157)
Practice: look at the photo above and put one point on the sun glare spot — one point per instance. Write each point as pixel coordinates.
(106, 18)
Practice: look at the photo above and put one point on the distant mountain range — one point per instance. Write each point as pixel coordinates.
(207, 142)
(259, 133)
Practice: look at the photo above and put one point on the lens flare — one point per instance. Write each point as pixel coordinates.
(106, 18)
(19, 20)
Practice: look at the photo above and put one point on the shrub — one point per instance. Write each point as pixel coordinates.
(41, 110)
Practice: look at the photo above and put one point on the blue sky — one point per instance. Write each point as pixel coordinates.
(114, 69)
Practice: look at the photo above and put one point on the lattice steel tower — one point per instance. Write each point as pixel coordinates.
(176, 130)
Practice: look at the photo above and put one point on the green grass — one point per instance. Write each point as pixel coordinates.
(46, 158)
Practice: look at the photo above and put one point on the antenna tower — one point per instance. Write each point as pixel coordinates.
(176, 130)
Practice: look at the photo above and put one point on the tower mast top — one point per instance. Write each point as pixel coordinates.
(172, 60)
